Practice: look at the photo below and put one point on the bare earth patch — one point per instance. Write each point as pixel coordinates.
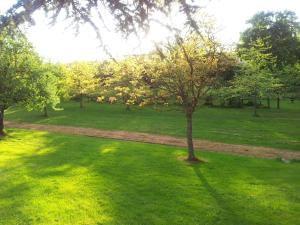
(261, 152)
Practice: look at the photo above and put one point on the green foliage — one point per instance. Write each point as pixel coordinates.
(121, 82)
(252, 81)
(49, 179)
(80, 80)
(186, 70)
(290, 77)
(17, 64)
(254, 78)
(45, 88)
(280, 31)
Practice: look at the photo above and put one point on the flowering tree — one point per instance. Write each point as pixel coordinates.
(81, 80)
(183, 72)
(121, 82)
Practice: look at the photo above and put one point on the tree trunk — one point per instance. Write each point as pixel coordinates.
(222, 102)
(45, 111)
(81, 101)
(209, 101)
(278, 102)
(268, 102)
(292, 99)
(255, 105)
(189, 136)
(2, 122)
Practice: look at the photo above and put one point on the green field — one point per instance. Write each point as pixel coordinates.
(274, 128)
(57, 179)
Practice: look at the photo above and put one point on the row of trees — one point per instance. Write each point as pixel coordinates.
(188, 69)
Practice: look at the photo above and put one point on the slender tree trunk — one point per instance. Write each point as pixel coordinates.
(81, 101)
(255, 105)
(2, 122)
(222, 102)
(208, 101)
(45, 111)
(268, 102)
(292, 100)
(189, 136)
(278, 102)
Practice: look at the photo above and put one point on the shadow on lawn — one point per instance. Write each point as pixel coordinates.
(11, 202)
(127, 183)
(224, 204)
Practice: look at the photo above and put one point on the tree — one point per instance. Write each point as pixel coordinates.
(122, 82)
(45, 91)
(280, 31)
(183, 73)
(81, 80)
(290, 77)
(130, 17)
(255, 78)
(229, 63)
(17, 63)
(253, 82)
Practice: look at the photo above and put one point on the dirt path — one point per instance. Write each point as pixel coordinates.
(262, 152)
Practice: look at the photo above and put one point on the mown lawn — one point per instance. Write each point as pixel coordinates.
(274, 128)
(57, 179)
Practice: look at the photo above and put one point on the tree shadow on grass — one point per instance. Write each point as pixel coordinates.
(125, 182)
(12, 199)
(84, 180)
(225, 206)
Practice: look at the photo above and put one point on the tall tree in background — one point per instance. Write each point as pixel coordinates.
(17, 64)
(277, 30)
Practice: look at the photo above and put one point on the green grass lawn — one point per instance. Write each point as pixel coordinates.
(56, 179)
(274, 128)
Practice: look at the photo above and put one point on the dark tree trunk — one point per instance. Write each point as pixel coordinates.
(223, 102)
(45, 111)
(81, 101)
(292, 100)
(268, 102)
(189, 136)
(209, 101)
(2, 122)
(278, 102)
(255, 105)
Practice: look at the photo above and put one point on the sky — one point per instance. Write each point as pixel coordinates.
(59, 43)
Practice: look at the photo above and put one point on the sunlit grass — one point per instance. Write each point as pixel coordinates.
(56, 179)
(274, 128)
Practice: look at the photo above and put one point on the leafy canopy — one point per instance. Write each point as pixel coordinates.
(279, 31)
(18, 62)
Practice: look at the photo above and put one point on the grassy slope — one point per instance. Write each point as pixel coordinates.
(274, 128)
(55, 179)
